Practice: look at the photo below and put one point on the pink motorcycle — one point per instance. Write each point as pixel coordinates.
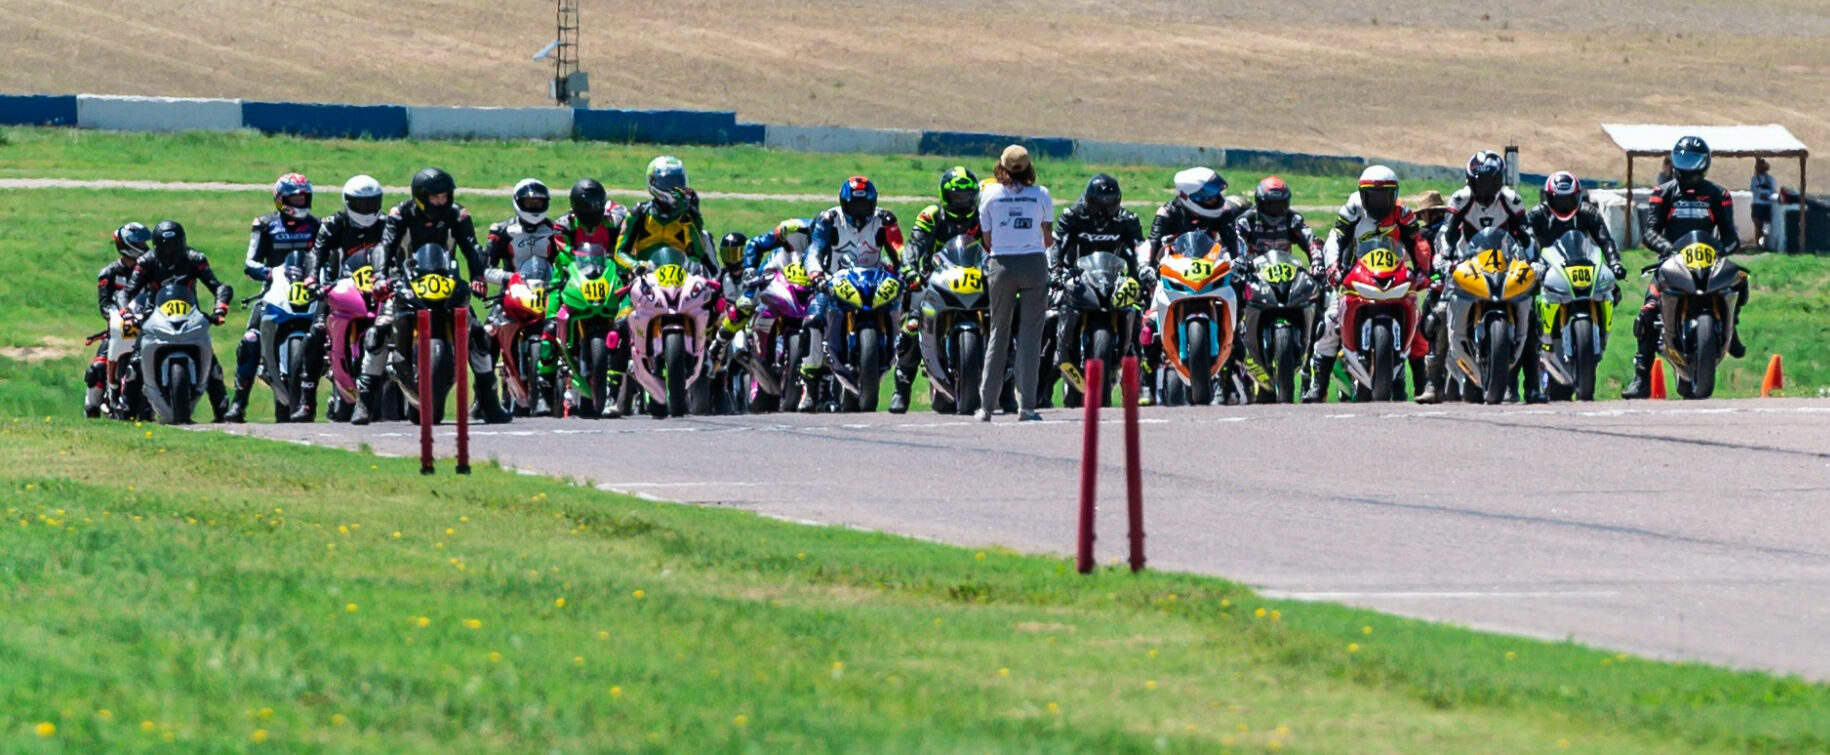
(771, 348)
(672, 304)
(352, 312)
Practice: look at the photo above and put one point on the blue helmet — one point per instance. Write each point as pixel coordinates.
(858, 200)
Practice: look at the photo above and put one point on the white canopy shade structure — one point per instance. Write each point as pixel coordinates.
(1656, 140)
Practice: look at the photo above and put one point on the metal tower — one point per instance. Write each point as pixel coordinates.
(570, 85)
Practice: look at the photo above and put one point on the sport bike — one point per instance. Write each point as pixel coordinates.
(1378, 317)
(288, 307)
(954, 309)
(1489, 301)
(176, 358)
(1196, 310)
(1281, 299)
(671, 305)
(1696, 303)
(1576, 308)
(586, 323)
(867, 299)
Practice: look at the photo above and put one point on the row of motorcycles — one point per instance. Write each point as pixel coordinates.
(162, 359)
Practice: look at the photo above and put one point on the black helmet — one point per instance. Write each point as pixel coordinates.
(1103, 196)
(588, 200)
(429, 182)
(1486, 173)
(168, 242)
(730, 248)
(1690, 161)
(959, 192)
(132, 240)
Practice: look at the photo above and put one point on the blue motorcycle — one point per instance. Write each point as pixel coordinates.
(867, 297)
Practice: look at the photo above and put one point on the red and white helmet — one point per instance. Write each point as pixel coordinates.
(292, 195)
(1563, 194)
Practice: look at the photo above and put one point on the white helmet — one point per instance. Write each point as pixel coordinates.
(1202, 191)
(362, 200)
(531, 199)
(1378, 190)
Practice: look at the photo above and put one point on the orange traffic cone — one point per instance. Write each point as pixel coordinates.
(1775, 381)
(1658, 379)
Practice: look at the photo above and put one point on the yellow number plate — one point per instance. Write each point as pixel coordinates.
(847, 292)
(175, 308)
(433, 287)
(670, 276)
(1282, 272)
(1699, 256)
(1198, 270)
(1580, 275)
(968, 281)
(1381, 260)
(595, 291)
(1126, 294)
(1492, 260)
(795, 274)
(364, 277)
(535, 300)
(299, 295)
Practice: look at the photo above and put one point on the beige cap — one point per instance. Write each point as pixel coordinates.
(1015, 159)
(1429, 200)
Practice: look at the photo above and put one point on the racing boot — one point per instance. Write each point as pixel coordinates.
(489, 402)
(1641, 387)
(1420, 375)
(1322, 370)
(305, 411)
(216, 393)
(1146, 385)
(613, 385)
(365, 399)
(899, 400)
(237, 410)
(810, 390)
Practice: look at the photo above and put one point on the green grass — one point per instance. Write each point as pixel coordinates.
(161, 586)
(249, 157)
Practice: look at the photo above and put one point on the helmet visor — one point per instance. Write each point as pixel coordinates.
(363, 205)
(961, 201)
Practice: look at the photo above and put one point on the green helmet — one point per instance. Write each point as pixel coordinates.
(667, 184)
(959, 192)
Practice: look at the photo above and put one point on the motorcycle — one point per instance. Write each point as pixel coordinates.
(586, 323)
(771, 347)
(1696, 303)
(431, 286)
(1281, 298)
(176, 357)
(353, 309)
(1576, 308)
(516, 326)
(672, 303)
(1195, 314)
(1104, 299)
(1378, 318)
(867, 297)
(1489, 302)
(954, 312)
(288, 307)
(124, 398)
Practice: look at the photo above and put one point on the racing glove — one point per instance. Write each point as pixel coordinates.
(222, 313)
(1619, 270)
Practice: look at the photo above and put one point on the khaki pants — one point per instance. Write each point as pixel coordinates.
(1019, 280)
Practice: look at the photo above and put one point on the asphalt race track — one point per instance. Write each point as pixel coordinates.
(1693, 530)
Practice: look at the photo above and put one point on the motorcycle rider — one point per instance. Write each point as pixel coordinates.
(172, 260)
(512, 242)
(1561, 209)
(855, 233)
(1688, 202)
(1371, 212)
(433, 216)
(289, 228)
(1200, 205)
(1270, 222)
(351, 230)
(669, 218)
(594, 219)
(1485, 202)
(956, 214)
(130, 241)
(1097, 223)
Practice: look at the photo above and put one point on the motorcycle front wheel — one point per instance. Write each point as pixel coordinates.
(1707, 352)
(673, 356)
(1200, 364)
(1499, 360)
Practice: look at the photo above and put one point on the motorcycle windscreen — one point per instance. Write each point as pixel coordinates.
(174, 300)
(296, 264)
(961, 251)
(432, 259)
(1105, 266)
(663, 256)
(536, 269)
(1573, 248)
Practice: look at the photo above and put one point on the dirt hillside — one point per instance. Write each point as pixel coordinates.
(1348, 76)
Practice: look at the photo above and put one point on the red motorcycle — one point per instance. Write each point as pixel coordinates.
(516, 324)
(1378, 317)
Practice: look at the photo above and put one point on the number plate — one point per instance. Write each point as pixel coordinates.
(1699, 256)
(175, 308)
(1581, 276)
(595, 291)
(1282, 272)
(968, 281)
(1381, 260)
(434, 287)
(299, 295)
(364, 277)
(670, 276)
(795, 274)
(1198, 270)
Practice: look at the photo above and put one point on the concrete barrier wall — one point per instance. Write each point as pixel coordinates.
(157, 113)
(38, 109)
(662, 127)
(1131, 153)
(439, 122)
(869, 141)
(969, 144)
(326, 121)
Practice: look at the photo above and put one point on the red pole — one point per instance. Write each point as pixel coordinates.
(1089, 466)
(425, 391)
(1134, 473)
(460, 337)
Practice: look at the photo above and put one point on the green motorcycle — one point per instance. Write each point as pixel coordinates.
(585, 319)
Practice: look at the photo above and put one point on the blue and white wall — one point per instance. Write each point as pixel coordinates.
(715, 128)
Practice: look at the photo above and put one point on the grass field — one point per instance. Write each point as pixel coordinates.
(168, 590)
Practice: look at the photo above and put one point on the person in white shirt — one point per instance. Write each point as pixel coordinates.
(1017, 219)
(1765, 189)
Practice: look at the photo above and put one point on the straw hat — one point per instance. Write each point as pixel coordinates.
(1429, 200)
